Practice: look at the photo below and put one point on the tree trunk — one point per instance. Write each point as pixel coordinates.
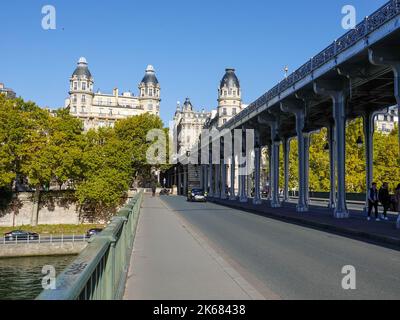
(35, 207)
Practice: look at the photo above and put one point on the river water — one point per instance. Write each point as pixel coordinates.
(21, 278)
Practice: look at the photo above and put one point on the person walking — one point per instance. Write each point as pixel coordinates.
(384, 199)
(373, 201)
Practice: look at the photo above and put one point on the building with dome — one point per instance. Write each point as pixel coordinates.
(188, 125)
(98, 109)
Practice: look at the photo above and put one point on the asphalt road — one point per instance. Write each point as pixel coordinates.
(291, 261)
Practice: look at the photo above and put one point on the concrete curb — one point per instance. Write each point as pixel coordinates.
(371, 237)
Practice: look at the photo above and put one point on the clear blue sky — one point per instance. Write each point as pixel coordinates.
(190, 43)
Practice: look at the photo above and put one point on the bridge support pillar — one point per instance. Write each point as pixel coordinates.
(332, 175)
(257, 175)
(389, 57)
(339, 91)
(273, 122)
(269, 175)
(210, 177)
(217, 193)
(298, 108)
(185, 179)
(243, 171)
(368, 124)
(286, 153)
(179, 181)
(223, 180)
(232, 195)
(307, 137)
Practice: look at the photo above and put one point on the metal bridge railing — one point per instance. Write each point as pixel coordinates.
(100, 271)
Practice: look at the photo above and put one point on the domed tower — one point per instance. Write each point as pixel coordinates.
(81, 88)
(149, 92)
(187, 106)
(229, 97)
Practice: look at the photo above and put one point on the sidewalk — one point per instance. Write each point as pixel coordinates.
(357, 226)
(171, 262)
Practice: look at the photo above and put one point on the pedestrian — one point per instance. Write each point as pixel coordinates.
(384, 199)
(373, 201)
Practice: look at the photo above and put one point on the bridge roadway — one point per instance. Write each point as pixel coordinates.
(252, 257)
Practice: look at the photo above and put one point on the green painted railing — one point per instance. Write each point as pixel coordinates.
(100, 271)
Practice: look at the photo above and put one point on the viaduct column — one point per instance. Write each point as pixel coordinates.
(233, 171)
(332, 174)
(338, 90)
(257, 169)
(243, 171)
(298, 108)
(210, 174)
(286, 153)
(273, 123)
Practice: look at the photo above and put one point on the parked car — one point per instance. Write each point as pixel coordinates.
(93, 232)
(20, 235)
(197, 195)
(165, 192)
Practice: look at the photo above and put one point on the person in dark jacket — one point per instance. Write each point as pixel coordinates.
(373, 201)
(384, 199)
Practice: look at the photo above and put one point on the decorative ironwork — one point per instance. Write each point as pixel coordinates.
(363, 29)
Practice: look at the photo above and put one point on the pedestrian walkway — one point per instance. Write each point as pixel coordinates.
(170, 261)
(383, 232)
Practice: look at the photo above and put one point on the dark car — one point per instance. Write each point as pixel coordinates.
(93, 232)
(20, 235)
(197, 195)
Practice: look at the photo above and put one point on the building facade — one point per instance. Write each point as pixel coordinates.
(386, 122)
(97, 109)
(9, 93)
(188, 124)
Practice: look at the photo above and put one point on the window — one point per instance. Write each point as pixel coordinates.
(74, 109)
(74, 99)
(100, 101)
(101, 110)
(110, 112)
(83, 85)
(75, 85)
(150, 107)
(109, 102)
(150, 92)
(234, 93)
(83, 99)
(234, 111)
(83, 109)
(225, 112)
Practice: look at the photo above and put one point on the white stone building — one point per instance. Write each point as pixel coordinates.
(101, 109)
(386, 122)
